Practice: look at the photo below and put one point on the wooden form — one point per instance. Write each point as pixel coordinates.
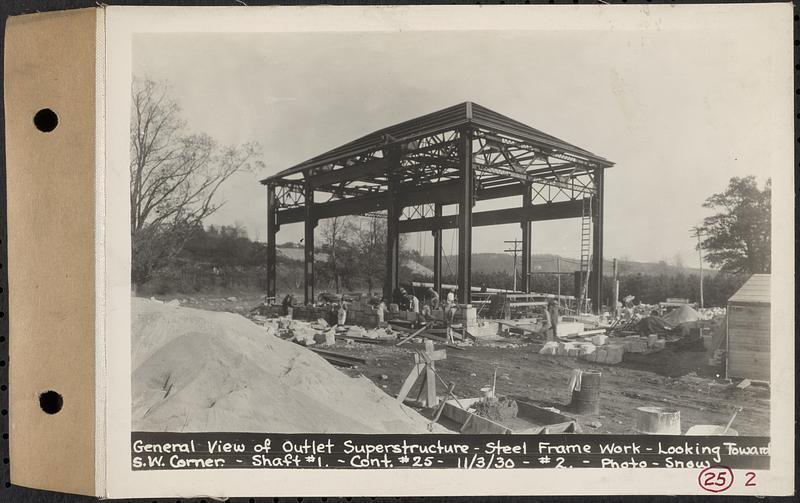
(341, 359)
(540, 420)
(424, 367)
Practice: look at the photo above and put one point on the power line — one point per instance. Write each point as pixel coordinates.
(515, 250)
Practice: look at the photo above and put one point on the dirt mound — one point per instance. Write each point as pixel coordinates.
(197, 370)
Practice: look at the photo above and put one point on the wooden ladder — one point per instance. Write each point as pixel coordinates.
(586, 253)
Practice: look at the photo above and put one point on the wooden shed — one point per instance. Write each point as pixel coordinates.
(748, 337)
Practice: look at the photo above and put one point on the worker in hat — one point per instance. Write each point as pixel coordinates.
(551, 320)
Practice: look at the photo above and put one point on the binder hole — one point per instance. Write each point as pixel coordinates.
(51, 402)
(45, 120)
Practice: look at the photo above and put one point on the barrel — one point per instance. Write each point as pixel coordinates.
(587, 399)
(658, 421)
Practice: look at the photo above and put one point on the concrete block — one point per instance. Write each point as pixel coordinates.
(549, 348)
(614, 353)
(355, 331)
(564, 329)
(305, 336)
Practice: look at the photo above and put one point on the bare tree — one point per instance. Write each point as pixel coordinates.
(372, 242)
(174, 176)
(336, 233)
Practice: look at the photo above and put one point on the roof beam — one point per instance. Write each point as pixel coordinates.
(444, 192)
(535, 213)
(362, 171)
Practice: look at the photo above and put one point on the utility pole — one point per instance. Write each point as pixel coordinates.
(515, 251)
(615, 302)
(558, 275)
(698, 233)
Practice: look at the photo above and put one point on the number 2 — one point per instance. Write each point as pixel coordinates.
(751, 479)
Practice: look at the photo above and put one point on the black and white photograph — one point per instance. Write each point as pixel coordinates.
(459, 232)
(401, 250)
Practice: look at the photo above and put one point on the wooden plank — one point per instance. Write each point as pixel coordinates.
(426, 357)
(414, 334)
(749, 345)
(410, 380)
(470, 423)
(342, 356)
(749, 365)
(430, 376)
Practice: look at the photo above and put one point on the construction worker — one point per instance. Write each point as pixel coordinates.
(287, 303)
(413, 303)
(551, 320)
(381, 311)
(401, 298)
(451, 298)
(432, 297)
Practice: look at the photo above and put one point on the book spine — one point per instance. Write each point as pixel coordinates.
(51, 131)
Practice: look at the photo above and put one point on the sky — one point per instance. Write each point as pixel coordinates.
(678, 112)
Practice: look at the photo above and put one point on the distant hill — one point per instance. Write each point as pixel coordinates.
(493, 262)
(294, 253)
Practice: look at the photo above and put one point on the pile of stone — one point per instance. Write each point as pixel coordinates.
(362, 314)
(358, 313)
(638, 344)
(599, 349)
(610, 354)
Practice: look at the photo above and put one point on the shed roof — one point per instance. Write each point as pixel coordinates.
(755, 290)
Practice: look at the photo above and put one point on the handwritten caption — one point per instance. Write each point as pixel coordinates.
(176, 451)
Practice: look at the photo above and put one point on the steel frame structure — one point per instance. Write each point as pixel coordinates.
(456, 156)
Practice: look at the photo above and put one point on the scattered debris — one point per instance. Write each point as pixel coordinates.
(496, 409)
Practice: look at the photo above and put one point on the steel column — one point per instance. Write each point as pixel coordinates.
(465, 216)
(393, 211)
(526, 240)
(308, 244)
(272, 230)
(596, 275)
(437, 252)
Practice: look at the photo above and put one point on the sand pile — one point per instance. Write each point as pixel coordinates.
(197, 370)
